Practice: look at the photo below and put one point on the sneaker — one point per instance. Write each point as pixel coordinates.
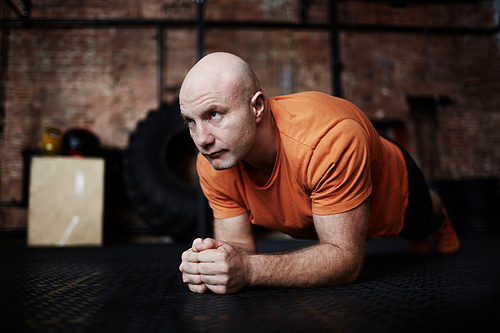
(422, 246)
(445, 238)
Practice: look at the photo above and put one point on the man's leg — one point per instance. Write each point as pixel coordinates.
(425, 215)
(445, 238)
(437, 204)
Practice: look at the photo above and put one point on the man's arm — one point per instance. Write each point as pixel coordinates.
(337, 259)
(236, 231)
(222, 268)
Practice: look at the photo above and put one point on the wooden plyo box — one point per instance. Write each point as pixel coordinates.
(66, 201)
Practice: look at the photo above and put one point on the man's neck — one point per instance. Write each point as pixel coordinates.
(260, 176)
(259, 167)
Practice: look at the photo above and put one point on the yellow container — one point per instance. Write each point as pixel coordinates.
(51, 141)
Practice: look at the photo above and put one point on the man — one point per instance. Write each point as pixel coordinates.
(309, 165)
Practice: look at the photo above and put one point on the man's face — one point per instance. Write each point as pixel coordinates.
(222, 125)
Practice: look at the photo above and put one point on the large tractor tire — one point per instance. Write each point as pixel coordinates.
(160, 174)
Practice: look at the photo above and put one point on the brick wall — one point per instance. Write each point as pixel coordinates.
(105, 78)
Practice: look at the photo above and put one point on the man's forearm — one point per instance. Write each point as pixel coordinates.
(319, 265)
(227, 263)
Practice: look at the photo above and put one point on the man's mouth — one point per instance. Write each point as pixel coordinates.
(214, 154)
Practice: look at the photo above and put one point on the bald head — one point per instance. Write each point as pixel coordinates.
(222, 72)
(227, 114)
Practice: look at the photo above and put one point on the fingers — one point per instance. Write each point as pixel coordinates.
(221, 284)
(206, 262)
(207, 266)
(189, 257)
(205, 244)
(191, 276)
(194, 282)
(196, 243)
(189, 263)
(213, 269)
(189, 266)
(198, 288)
(220, 289)
(204, 248)
(211, 255)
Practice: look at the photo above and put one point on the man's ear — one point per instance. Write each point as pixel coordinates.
(258, 104)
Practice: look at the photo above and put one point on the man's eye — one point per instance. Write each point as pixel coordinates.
(214, 115)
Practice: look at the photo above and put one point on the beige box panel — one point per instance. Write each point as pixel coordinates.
(66, 201)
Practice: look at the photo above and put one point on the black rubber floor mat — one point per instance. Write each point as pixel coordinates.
(138, 288)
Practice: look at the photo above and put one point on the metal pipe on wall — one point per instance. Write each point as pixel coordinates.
(4, 53)
(336, 65)
(243, 24)
(160, 63)
(201, 29)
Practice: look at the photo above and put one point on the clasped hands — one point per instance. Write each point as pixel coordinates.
(214, 265)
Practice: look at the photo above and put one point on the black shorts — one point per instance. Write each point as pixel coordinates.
(420, 221)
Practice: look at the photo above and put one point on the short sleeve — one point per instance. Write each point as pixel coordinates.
(339, 173)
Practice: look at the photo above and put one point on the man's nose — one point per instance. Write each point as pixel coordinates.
(203, 135)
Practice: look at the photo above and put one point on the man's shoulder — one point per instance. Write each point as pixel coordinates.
(312, 98)
(305, 118)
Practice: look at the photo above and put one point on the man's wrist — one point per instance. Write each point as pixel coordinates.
(259, 269)
(249, 265)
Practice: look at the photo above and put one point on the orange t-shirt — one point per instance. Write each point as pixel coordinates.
(329, 160)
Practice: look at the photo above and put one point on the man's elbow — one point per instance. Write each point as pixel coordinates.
(349, 273)
(353, 275)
